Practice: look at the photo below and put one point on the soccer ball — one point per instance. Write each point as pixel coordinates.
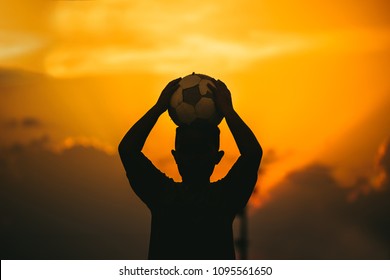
(193, 102)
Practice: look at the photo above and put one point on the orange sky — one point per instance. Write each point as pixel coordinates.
(305, 76)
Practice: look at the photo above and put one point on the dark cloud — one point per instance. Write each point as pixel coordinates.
(26, 122)
(74, 205)
(309, 217)
(31, 122)
(384, 159)
(11, 124)
(78, 205)
(372, 211)
(15, 78)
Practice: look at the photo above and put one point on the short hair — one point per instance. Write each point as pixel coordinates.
(195, 138)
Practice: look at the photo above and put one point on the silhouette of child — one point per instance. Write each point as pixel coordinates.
(192, 219)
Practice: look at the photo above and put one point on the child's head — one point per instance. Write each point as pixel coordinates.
(197, 152)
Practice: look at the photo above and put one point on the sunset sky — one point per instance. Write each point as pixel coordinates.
(311, 79)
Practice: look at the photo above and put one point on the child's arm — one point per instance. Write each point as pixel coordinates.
(134, 140)
(244, 137)
(241, 179)
(145, 179)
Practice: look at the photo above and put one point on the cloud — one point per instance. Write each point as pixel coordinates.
(26, 122)
(76, 38)
(78, 204)
(25, 33)
(190, 51)
(16, 78)
(86, 142)
(15, 44)
(147, 36)
(72, 205)
(161, 38)
(383, 163)
(31, 122)
(371, 210)
(309, 217)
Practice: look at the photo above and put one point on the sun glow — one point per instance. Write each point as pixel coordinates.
(300, 75)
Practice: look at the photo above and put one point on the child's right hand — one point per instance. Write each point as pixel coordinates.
(165, 96)
(223, 98)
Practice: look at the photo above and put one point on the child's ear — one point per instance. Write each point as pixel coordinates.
(219, 156)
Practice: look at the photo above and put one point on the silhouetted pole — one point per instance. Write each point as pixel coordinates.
(242, 240)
